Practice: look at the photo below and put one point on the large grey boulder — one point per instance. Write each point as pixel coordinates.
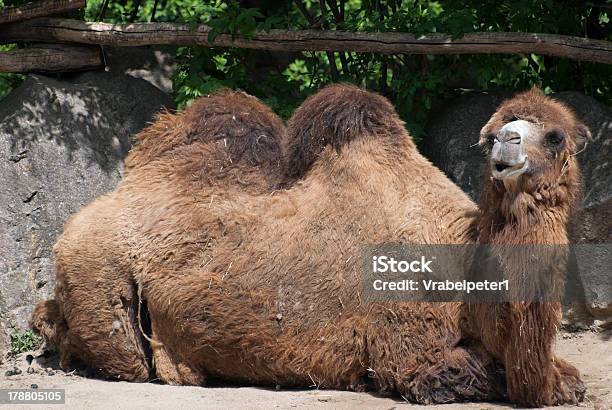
(595, 224)
(452, 137)
(62, 144)
(450, 144)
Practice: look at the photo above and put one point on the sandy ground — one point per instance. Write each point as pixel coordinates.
(590, 352)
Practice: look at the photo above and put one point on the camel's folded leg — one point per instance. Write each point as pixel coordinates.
(372, 344)
(169, 368)
(102, 331)
(97, 298)
(188, 316)
(433, 369)
(454, 375)
(95, 334)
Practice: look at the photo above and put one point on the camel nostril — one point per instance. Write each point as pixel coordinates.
(499, 167)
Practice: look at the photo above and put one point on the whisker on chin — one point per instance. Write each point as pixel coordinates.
(582, 150)
(565, 166)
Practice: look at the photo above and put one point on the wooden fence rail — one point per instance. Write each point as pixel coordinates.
(52, 30)
(42, 8)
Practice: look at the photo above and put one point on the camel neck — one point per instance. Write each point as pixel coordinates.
(522, 217)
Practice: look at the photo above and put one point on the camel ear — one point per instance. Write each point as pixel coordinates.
(583, 136)
(583, 132)
(486, 138)
(488, 132)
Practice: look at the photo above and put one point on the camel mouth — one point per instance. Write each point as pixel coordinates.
(503, 171)
(501, 167)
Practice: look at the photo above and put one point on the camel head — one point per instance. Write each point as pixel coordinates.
(532, 139)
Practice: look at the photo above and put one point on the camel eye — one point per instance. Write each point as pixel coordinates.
(555, 137)
(490, 138)
(510, 118)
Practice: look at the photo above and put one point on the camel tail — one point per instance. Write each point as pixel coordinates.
(48, 321)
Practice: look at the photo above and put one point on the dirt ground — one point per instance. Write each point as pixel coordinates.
(590, 352)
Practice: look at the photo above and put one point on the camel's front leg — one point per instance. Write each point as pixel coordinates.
(534, 376)
(568, 386)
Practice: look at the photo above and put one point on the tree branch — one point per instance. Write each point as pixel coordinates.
(302, 8)
(138, 34)
(154, 10)
(335, 10)
(102, 11)
(38, 9)
(135, 10)
(51, 59)
(338, 12)
(331, 56)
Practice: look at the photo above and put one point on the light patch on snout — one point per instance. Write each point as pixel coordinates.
(521, 127)
(507, 157)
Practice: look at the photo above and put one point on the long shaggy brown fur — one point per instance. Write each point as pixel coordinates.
(329, 121)
(533, 210)
(248, 282)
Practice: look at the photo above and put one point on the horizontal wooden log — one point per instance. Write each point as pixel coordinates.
(139, 34)
(43, 8)
(51, 58)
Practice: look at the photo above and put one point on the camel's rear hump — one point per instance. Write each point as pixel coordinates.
(337, 115)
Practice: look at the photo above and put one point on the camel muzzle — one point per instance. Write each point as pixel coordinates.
(507, 157)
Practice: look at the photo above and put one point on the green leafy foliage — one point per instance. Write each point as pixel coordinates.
(232, 19)
(202, 71)
(121, 11)
(24, 341)
(416, 84)
(8, 81)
